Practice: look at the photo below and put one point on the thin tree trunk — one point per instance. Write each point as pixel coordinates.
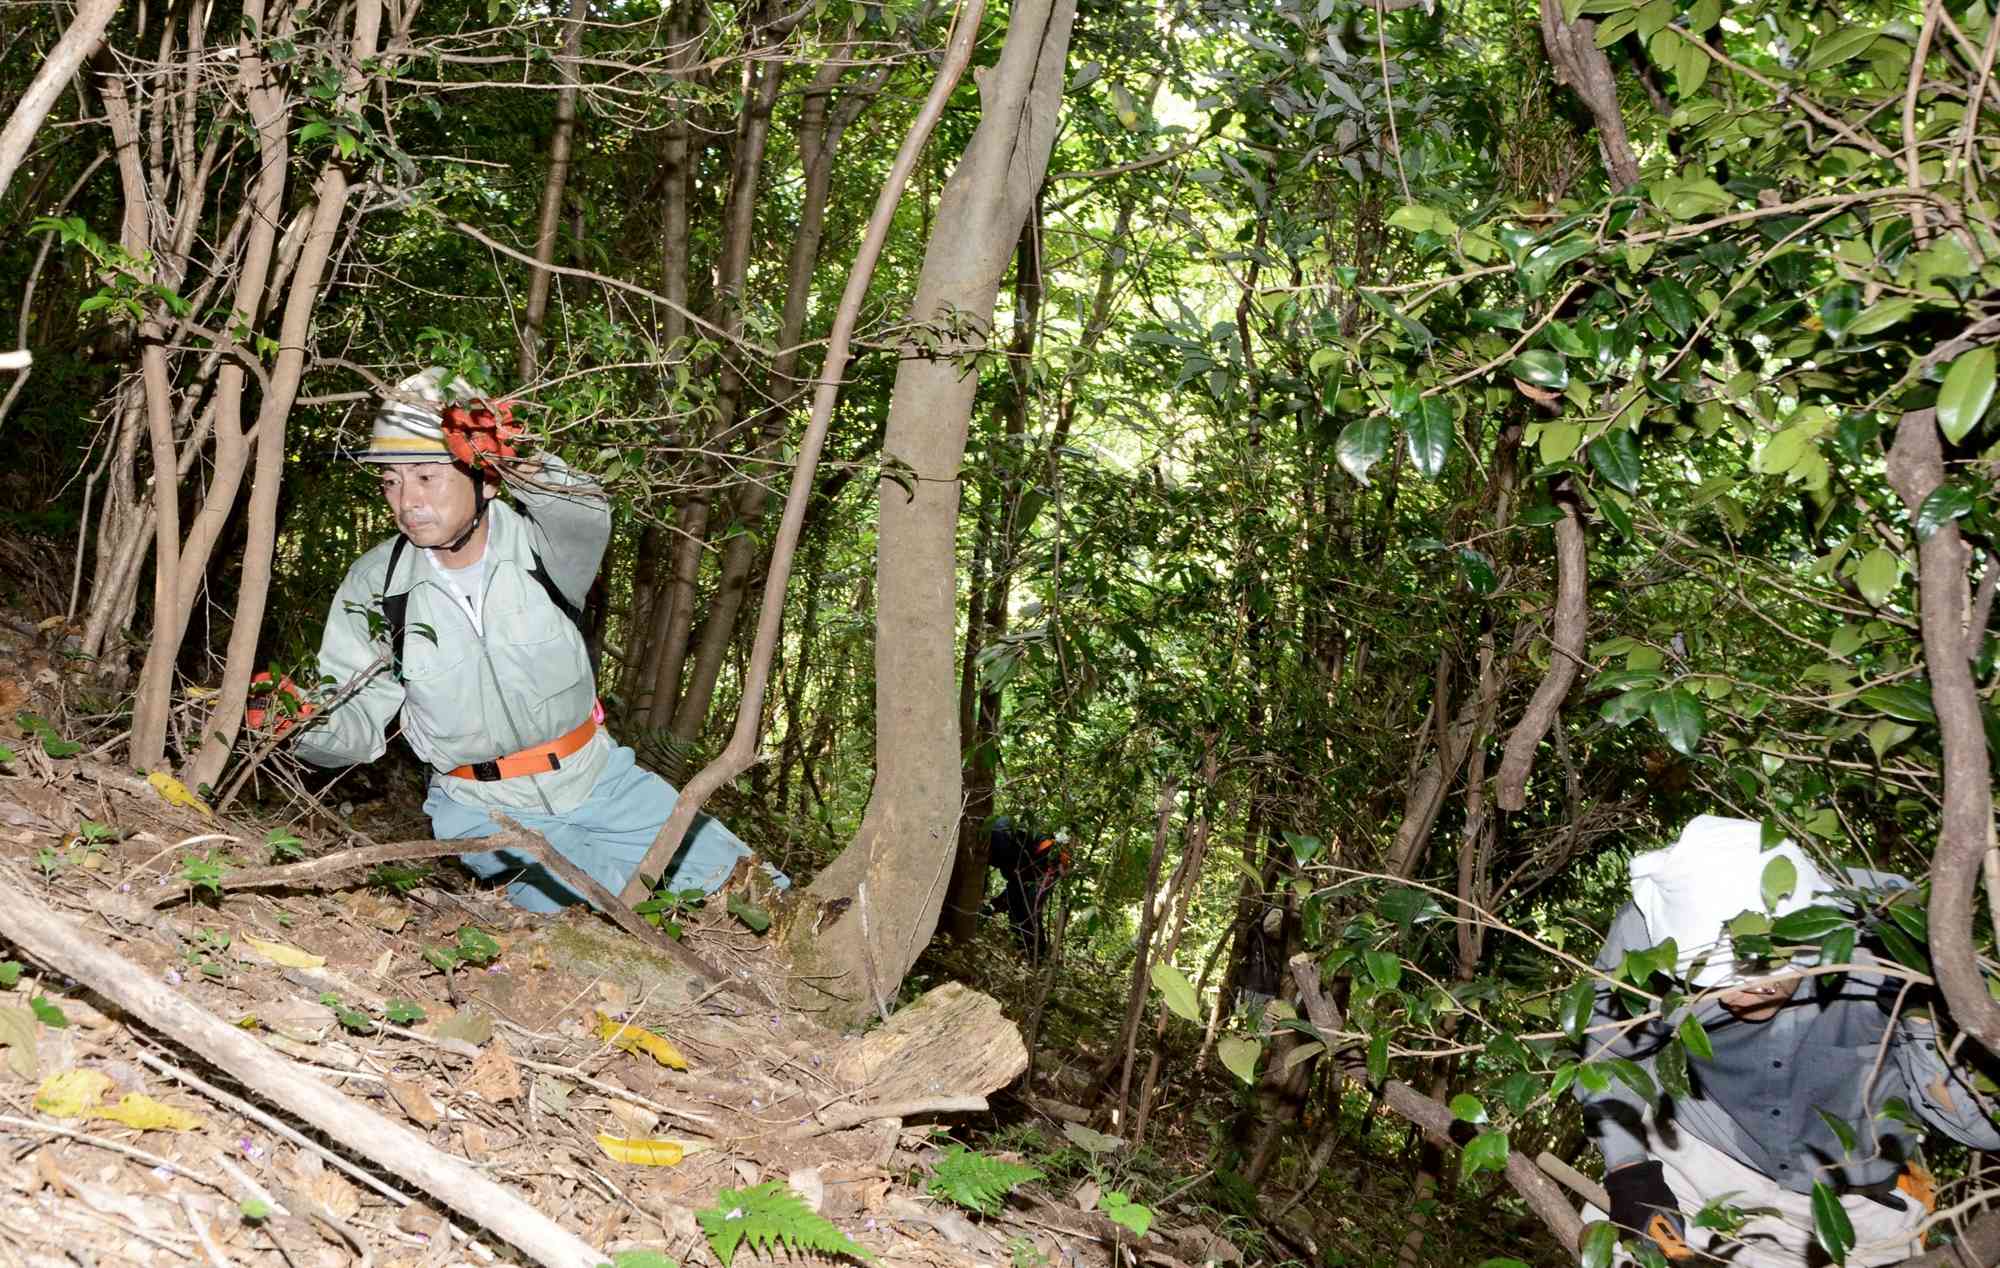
(78, 43)
(549, 214)
(1136, 993)
(742, 747)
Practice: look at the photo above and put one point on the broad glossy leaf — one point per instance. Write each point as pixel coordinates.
(1841, 1129)
(1966, 392)
(1478, 570)
(1428, 429)
(1881, 315)
(1616, 457)
(1839, 309)
(1679, 717)
(1876, 575)
(1902, 700)
(1675, 305)
(1378, 1056)
(1239, 1054)
(1831, 1226)
(1600, 1243)
(1901, 946)
(1384, 967)
(1696, 1039)
(1363, 443)
(1843, 43)
(1946, 503)
(1779, 882)
(1487, 1152)
(1573, 1011)
(1623, 710)
(1542, 367)
(1175, 991)
(1809, 924)
(1467, 1109)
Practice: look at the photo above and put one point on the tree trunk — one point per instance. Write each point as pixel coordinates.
(550, 211)
(909, 834)
(78, 43)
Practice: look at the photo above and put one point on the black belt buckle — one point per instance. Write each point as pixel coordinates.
(486, 772)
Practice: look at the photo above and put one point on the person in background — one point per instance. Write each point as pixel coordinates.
(1792, 1056)
(1030, 862)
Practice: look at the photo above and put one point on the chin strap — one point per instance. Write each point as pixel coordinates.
(480, 501)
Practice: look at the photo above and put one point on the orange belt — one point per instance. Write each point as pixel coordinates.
(539, 760)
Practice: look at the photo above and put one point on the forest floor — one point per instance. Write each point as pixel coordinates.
(522, 1061)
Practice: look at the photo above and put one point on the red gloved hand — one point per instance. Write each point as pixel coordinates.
(472, 432)
(276, 697)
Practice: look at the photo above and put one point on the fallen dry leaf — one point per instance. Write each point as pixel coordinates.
(175, 793)
(331, 1190)
(287, 956)
(378, 912)
(466, 1026)
(415, 1102)
(494, 1075)
(636, 1120)
(642, 1153)
(553, 1094)
(72, 1093)
(136, 1109)
(639, 1039)
(17, 1031)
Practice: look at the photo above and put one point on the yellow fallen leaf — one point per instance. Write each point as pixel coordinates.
(642, 1153)
(72, 1093)
(136, 1109)
(279, 953)
(175, 793)
(639, 1039)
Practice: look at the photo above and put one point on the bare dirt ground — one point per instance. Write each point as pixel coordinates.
(521, 1061)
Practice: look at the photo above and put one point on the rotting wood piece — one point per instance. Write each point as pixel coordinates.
(953, 1041)
(60, 945)
(512, 837)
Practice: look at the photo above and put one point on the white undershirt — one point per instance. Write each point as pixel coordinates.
(469, 582)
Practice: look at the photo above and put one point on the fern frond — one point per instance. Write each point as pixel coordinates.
(770, 1215)
(976, 1181)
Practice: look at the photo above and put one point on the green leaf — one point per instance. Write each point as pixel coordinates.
(1615, 454)
(1478, 570)
(1679, 717)
(642, 1259)
(1696, 1039)
(1831, 1226)
(10, 973)
(1487, 1152)
(1623, 710)
(1175, 991)
(1882, 315)
(403, 1013)
(1901, 700)
(1573, 1010)
(1780, 881)
(1125, 1213)
(1600, 1243)
(1967, 391)
(1946, 503)
(1884, 735)
(1809, 924)
(766, 1217)
(749, 913)
(1420, 219)
(1428, 431)
(1384, 967)
(1239, 1055)
(1363, 443)
(1378, 1056)
(1840, 1128)
(1839, 308)
(1543, 367)
(1876, 575)
(1902, 947)
(1674, 303)
(47, 1013)
(1467, 1109)
(254, 1209)
(976, 1181)
(1842, 44)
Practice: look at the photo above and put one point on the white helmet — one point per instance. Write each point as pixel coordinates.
(409, 425)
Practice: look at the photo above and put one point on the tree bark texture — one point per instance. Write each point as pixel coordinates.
(1572, 47)
(908, 834)
(82, 38)
(549, 213)
(1568, 625)
(1916, 469)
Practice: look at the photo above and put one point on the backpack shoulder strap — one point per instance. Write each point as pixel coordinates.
(396, 608)
(540, 573)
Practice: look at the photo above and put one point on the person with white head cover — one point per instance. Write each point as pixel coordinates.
(1792, 1056)
(477, 606)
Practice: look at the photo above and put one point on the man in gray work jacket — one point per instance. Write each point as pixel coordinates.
(475, 605)
(1790, 1052)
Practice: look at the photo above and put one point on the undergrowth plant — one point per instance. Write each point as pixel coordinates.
(977, 1181)
(767, 1216)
